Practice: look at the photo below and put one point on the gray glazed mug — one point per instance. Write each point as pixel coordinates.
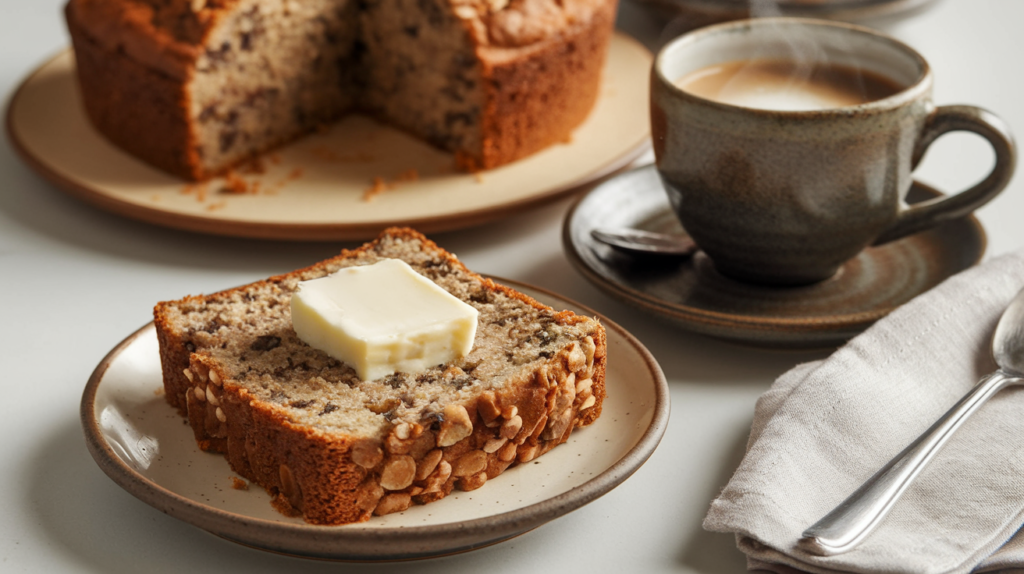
(786, 197)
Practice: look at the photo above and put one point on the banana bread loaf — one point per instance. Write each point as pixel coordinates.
(196, 86)
(337, 449)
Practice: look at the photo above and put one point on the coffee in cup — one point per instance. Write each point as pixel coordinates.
(783, 163)
(787, 85)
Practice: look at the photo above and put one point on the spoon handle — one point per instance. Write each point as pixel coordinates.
(850, 522)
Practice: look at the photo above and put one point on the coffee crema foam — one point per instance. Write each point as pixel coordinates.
(787, 85)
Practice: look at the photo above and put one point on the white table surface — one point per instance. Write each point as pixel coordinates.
(76, 280)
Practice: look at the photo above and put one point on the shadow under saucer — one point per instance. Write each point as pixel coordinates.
(693, 295)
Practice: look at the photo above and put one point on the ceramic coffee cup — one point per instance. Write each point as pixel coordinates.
(786, 197)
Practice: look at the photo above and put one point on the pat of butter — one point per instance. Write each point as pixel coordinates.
(383, 318)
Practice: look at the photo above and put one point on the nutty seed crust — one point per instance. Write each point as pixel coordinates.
(409, 460)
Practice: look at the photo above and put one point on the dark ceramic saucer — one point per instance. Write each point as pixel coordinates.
(691, 294)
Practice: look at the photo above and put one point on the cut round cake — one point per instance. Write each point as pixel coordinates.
(197, 86)
(337, 449)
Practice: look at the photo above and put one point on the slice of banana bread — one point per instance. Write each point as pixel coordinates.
(337, 449)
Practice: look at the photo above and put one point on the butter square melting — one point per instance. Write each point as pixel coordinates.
(383, 318)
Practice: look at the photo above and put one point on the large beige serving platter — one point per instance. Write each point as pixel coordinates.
(140, 442)
(316, 188)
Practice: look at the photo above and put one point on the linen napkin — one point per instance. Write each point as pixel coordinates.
(825, 427)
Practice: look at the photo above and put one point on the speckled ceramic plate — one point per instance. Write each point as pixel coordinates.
(322, 186)
(691, 294)
(140, 442)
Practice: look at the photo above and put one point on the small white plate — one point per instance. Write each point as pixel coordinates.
(142, 444)
(316, 187)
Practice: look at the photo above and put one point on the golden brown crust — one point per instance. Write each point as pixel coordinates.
(540, 61)
(134, 105)
(520, 23)
(535, 97)
(332, 478)
(164, 35)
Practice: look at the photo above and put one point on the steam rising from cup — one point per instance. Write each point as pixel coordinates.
(793, 72)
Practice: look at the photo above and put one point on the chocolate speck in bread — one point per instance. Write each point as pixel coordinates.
(197, 86)
(335, 448)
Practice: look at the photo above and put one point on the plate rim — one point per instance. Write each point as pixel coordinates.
(842, 323)
(228, 227)
(515, 522)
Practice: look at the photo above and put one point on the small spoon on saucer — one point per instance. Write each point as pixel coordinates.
(850, 522)
(645, 243)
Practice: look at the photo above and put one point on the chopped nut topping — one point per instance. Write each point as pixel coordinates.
(473, 482)
(395, 502)
(590, 348)
(487, 407)
(557, 425)
(534, 430)
(396, 445)
(428, 464)
(470, 463)
(566, 394)
(212, 397)
(512, 427)
(577, 358)
(403, 431)
(507, 453)
(289, 487)
(439, 477)
(398, 473)
(527, 453)
(367, 454)
(492, 445)
(456, 426)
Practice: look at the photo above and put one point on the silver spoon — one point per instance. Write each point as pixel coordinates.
(645, 243)
(851, 522)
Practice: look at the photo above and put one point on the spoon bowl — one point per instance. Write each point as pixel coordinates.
(1008, 340)
(640, 243)
(853, 520)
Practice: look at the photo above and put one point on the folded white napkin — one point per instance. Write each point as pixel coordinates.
(825, 427)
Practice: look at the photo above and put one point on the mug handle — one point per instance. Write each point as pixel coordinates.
(921, 216)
